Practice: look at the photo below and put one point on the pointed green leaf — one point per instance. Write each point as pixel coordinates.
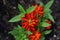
(26, 39)
(30, 9)
(50, 17)
(42, 38)
(28, 32)
(47, 11)
(47, 32)
(49, 4)
(16, 30)
(16, 18)
(45, 24)
(21, 9)
(19, 27)
(41, 3)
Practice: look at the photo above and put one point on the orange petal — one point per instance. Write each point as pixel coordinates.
(24, 19)
(48, 28)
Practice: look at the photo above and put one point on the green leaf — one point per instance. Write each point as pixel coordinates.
(25, 39)
(24, 36)
(16, 18)
(28, 32)
(21, 9)
(47, 11)
(47, 32)
(30, 9)
(45, 24)
(42, 38)
(50, 17)
(41, 3)
(49, 4)
(47, 14)
(16, 30)
(44, 18)
(19, 33)
(19, 27)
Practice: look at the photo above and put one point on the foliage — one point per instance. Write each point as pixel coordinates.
(21, 9)
(19, 33)
(45, 24)
(30, 9)
(47, 32)
(48, 11)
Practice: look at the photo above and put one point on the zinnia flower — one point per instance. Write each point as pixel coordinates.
(38, 10)
(29, 22)
(49, 27)
(35, 36)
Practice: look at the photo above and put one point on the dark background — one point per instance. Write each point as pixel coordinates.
(8, 9)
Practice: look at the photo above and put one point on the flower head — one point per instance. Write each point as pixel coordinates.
(35, 36)
(29, 22)
(38, 10)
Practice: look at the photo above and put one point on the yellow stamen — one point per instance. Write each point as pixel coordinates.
(30, 21)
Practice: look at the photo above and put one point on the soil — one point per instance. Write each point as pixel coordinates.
(9, 9)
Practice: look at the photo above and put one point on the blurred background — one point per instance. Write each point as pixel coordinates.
(9, 9)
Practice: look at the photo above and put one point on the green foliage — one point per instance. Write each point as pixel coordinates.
(30, 9)
(41, 4)
(47, 11)
(47, 32)
(21, 9)
(28, 32)
(16, 18)
(19, 33)
(45, 24)
(49, 4)
(47, 14)
(50, 17)
(42, 38)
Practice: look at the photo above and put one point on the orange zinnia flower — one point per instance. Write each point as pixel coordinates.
(35, 36)
(38, 10)
(29, 21)
(49, 27)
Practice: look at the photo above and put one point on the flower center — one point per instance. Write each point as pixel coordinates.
(30, 21)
